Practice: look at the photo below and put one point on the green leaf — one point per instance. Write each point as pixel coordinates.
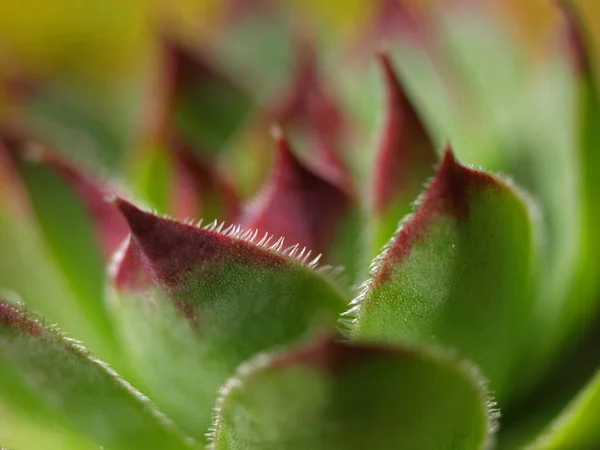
(220, 300)
(54, 380)
(76, 248)
(459, 274)
(577, 426)
(87, 123)
(338, 395)
(586, 289)
(567, 163)
(149, 173)
(39, 270)
(210, 113)
(22, 433)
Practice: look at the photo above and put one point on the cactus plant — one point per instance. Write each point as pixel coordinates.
(432, 288)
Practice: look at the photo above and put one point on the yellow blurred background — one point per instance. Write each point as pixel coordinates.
(99, 39)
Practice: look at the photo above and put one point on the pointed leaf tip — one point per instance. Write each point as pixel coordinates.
(405, 153)
(173, 249)
(307, 107)
(232, 289)
(447, 195)
(404, 159)
(297, 204)
(468, 251)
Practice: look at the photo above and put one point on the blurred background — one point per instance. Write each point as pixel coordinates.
(90, 77)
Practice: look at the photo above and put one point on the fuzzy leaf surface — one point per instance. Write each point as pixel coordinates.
(338, 395)
(458, 274)
(54, 380)
(217, 300)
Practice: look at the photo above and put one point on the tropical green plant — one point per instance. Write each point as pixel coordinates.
(475, 328)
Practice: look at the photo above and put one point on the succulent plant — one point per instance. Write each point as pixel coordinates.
(128, 322)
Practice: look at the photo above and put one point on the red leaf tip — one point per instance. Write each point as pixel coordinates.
(405, 153)
(171, 250)
(448, 195)
(137, 219)
(297, 203)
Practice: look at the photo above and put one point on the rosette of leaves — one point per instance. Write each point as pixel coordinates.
(474, 329)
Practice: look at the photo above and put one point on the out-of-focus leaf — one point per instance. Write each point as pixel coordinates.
(577, 426)
(404, 159)
(177, 180)
(337, 395)
(208, 106)
(257, 38)
(229, 299)
(541, 415)
(54, 380)
(76, 250)
(86, 123)
(19, 432)
(298, 204)
(565, 182)
(198, 189)
(33, 263)
(459, 273)
(309, 113)
(108, 224)
(150, 173)
(584, 299)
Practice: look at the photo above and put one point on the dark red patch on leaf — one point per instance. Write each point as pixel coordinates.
(172, 250)
(405, 154)
(297, 204)
(200, 190)
(330, 354)
(448, 195)
(17, 320)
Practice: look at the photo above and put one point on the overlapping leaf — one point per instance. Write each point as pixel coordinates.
(336, 395)
(459, 273)
(216, 300)
(55, 382)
